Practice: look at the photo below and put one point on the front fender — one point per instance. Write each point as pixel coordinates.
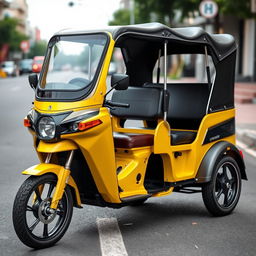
(41, 169)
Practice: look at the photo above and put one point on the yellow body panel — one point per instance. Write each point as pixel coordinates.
(63, 179)
(63, 145)
(184, 167)
(131, 164)
(97, 147)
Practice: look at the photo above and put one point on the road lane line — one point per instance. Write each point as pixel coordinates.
(245, 148)
(111, 240)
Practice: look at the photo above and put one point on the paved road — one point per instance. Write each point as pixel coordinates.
(174, 225)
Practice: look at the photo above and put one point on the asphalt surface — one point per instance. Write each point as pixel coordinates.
(174, 225)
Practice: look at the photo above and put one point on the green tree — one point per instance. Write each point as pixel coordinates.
(9, 34)
(38, 49)
(121, 17)
(164, 10)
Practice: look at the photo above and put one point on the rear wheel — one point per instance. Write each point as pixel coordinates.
(222, 193)
(35, 223)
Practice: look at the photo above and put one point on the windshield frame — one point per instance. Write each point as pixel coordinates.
(62, 95)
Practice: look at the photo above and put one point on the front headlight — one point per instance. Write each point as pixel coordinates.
(46, 128)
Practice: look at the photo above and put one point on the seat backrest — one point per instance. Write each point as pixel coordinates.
(187, 104)
(145, 103)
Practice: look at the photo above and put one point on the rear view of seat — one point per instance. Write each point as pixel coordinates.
(187, 104)
(145, 104)
(187, 107)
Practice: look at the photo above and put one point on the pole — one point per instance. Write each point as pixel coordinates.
(166, 96)
(132, 17)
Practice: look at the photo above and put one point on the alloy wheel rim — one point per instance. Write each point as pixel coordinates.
(42, 224)
(227, 185)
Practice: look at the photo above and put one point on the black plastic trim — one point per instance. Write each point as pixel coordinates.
(220, 131)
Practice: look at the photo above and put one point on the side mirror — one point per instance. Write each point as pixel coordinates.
(33, 80)
(120, 81)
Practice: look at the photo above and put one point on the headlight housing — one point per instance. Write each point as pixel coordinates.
(46, 128)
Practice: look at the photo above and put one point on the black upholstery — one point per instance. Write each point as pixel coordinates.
(187, 104)
(145, 103)
(182, 137)
(187, 107)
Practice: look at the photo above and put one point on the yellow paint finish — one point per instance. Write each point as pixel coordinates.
(97, 146)
(162, 138)
(63, 176)
(95, 99)
(63, 179)
(132, 162)
(186, 166)
(63, 145)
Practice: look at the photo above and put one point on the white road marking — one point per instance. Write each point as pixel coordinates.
(245, 148)
(111, 240)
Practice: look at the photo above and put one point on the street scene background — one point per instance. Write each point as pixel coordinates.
(177, 224)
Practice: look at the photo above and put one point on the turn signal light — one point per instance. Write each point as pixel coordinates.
(27, 122)
(88, 125)
(35, 66)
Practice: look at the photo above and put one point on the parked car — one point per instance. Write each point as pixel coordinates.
(25, 66)
(37, 64)
(10, 68)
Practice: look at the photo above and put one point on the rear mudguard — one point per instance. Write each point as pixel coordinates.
(43, 168)
(209, 161)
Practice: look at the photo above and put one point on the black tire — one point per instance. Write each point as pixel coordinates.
(222, 193)
(23, 213)
(138, 202)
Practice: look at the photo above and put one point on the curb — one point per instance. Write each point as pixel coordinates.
(247, 138)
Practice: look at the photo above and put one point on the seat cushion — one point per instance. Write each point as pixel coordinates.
(182, 137)
(132, 140)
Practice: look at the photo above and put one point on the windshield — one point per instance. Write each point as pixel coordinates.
(73, 62)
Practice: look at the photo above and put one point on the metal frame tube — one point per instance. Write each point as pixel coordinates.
(165, 75)
(48, 158)
(208, 73)
(158, 68)
(69, 160)
(206, 56)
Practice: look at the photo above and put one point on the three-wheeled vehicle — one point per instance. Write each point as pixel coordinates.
(88, 155)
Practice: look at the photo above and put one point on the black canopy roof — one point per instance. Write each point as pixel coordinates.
(222, 45)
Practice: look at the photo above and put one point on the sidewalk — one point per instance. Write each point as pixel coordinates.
(246, 124)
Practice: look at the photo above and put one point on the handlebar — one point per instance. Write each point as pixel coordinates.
(116, 104)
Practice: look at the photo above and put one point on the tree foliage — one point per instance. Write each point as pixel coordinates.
(239, 8)
(38, 49)
(9, 34)
(121, 17)
(165, 11)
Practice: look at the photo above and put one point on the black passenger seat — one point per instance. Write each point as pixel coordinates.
(182, 137)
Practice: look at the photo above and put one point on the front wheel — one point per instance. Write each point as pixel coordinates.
(222, 193)
(35, 224)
